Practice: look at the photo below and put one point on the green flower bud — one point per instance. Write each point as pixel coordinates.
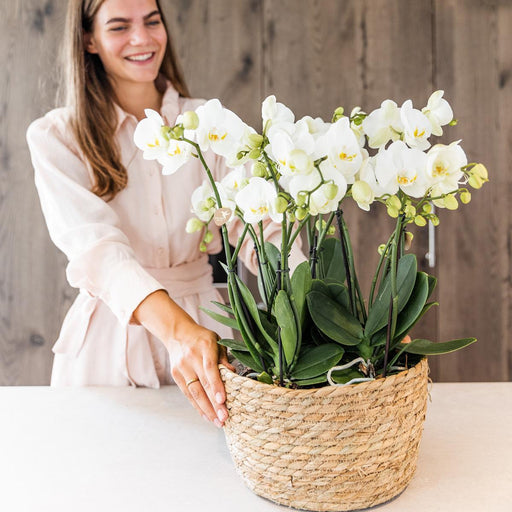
(410, 211)
(481, 171)
(331, 230)
(434, 219)
(409, 237)
(255, 140)
(427, 208)
(208, 237)
(281, 204)
(202, 247)
(330, 190)
(254, 154)
(475, 181)
(450, 202)
(381, 249)
(420, 221)
(394, 202)
(393, 212)
(301, 213)
(338, 113)
(301, 199)
(240, 155)
(190, 120)
(177, 132)
(291, 216)
(465, 197)
(193, 225)
(259, 170)
(320, 224)
(165, 131)
(210, 203)
(453, 122)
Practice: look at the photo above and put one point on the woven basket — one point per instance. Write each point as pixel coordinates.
(327, 449)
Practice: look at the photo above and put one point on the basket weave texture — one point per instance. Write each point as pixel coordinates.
(327, 449)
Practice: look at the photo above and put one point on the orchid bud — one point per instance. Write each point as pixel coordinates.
(259, 170)
(481, 171)
(420, 221)
(338, 113)
(165, 131)
(394, 202)
(409, 237)
(254, 154)
(362, 192)
(301, 213)
(255, 140)
(177, 132)
(202, 247)
(381, 249)
(240, 155)
(331, 230)
(193, 225)
(320, 224)
(190, 120)
(465, 197)
(450, 202)
(210, 203)
(410, 211)
(281, 204)
(290, 216)
(434, 219)
(330, 190)
(427, 208)
(453, 122)
(393, 212)
(208, 237)
(301, 199)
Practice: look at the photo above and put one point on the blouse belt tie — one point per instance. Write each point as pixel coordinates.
(185, 279)
(180, 280)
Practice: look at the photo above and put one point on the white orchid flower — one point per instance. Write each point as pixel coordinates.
(219, 128)
(342, 149)
(444, 166)
(365, 195)
(149, 136)
(438, 111)
(383, 124)
(257, 201)
(177, 154)
(417, 127)
(275, 113)
(400, 167)
(234, 181)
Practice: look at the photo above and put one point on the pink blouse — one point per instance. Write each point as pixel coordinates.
(122, 250)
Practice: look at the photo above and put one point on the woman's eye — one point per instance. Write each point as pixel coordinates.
(118, 29)
(154, 22)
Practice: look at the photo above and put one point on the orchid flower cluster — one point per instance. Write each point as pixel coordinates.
(297, 173)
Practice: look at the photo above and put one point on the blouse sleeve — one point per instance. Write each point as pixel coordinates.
(84, 226)
(271, 232)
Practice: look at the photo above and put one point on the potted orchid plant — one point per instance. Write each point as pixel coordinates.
(314, 326)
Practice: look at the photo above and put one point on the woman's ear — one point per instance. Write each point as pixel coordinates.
(89, 43)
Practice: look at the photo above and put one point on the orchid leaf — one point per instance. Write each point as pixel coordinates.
(301, 285)
(223, 307)
(330, 260)
(246, 359)
(334, 320)
(311, 382)
(286, 321)
(406, 278)
(430, 348)
(316, 361)
(343, 376)
(240, 346)
(224, 320)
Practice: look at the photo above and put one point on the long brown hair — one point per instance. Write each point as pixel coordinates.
(87, 91)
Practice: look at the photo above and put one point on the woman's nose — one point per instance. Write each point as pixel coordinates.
(140, 35)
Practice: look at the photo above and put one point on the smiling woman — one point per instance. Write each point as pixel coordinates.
(118, 223)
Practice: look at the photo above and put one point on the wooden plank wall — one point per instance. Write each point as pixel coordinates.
(314, 55)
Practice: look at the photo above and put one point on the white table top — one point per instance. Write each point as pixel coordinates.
(125, 449)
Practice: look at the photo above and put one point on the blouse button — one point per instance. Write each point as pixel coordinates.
(160, 251)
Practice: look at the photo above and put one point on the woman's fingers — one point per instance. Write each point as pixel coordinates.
(215, 387)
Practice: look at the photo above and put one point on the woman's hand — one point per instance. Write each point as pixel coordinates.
(194, 353)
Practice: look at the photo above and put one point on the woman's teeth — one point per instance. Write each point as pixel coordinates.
(140, 58)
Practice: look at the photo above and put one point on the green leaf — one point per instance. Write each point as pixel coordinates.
(412, 310)
(430, 348)
(248, 360)
(339, 293)
(432, 282)
(330, 260)
(254, 311)
(301, 285)
(310, 382)
(223, 307)
(230, 322)
(286, 321)
(265, 378)
(406, 278)
(343, 376)
(267, 277)
(318, 285)
(233, 344)
(334, 320)
(316, 361)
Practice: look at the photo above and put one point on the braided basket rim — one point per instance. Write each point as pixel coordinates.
(369, 386)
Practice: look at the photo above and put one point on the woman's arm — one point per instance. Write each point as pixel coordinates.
(193, 351)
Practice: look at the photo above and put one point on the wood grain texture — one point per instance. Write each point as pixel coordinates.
(314, 55)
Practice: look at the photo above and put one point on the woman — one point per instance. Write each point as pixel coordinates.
(136, 320)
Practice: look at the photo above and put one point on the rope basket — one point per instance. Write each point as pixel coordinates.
(327, 449)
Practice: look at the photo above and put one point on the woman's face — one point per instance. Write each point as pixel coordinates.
(130, 39)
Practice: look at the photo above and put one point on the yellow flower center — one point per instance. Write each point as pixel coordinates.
(155, 145)
(419, 134)
(439, 170)
(177, 151)
(344, 156)
(262, 210)
(404, 180)
(215, 137)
